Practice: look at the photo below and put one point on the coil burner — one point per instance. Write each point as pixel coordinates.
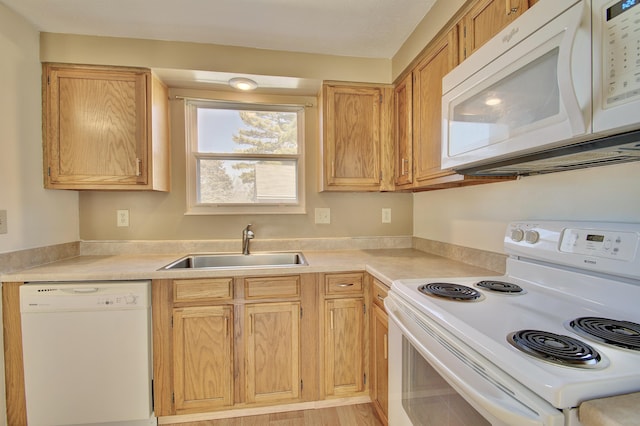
(555, 348)
(623, 334)
(450, 291)
(500, 286)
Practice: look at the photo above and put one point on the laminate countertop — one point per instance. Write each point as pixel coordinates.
(385, 264)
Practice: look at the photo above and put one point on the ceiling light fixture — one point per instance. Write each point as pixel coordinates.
(493, 101)
(242, 83)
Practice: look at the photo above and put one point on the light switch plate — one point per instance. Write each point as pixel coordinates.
(323, 215)
(3, 222)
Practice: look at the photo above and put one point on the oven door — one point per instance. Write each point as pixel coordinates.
(434, 379)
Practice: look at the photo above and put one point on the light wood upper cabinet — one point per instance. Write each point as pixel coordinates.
(104, 128)
(485, 19)
(272, 352)
(356, 137)
(403, 132)
(427, 113)
(203, 368)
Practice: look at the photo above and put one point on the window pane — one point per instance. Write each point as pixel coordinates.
(247, 181)
(243, 131)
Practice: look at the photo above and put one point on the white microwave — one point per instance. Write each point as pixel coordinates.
(563, 73)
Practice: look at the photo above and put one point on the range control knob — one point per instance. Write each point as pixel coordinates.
(517, 235)
(531, 237)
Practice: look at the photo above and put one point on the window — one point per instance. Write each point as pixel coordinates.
(244, 158)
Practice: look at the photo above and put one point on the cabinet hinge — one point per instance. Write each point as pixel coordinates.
(464, 31)
(364, 309)
(464, 52)
(171, 321)
(380, 98)
(48, 171)
(48, 80)
(300, 312)
(173, 397)
(301, 385)
(364, 378)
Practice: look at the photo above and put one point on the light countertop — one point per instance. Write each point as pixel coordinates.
(385, 264)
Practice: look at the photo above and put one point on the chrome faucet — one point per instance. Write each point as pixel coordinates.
(247, 236)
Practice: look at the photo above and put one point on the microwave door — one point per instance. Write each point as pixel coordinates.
(531, 93)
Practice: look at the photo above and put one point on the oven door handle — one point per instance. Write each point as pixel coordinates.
(488, 389)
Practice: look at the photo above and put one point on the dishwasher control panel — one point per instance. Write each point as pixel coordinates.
(72, 296)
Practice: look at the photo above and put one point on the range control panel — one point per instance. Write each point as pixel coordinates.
(604, 247)
(609, 244)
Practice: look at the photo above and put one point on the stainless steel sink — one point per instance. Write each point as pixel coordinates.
(225, 260)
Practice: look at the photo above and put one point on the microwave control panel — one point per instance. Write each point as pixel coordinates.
(621, 52)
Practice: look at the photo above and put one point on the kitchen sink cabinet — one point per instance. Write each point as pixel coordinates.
(485, 19)
(345, 329)
(379, 351)
(357, 145)
(104, 128)
(233, 342)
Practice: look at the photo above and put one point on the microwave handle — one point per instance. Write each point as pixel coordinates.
(575, 115)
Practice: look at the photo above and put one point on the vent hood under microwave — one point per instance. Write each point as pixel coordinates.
(558, 89)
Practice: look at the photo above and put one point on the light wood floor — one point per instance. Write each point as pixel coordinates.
(349, 415)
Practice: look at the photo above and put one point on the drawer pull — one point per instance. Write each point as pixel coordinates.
(345, 285)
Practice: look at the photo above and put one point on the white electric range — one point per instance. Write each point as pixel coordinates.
(561, 327)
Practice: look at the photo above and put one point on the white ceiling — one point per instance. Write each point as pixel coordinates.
(361, 28)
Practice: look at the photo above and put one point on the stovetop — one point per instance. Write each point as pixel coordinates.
(552, 296)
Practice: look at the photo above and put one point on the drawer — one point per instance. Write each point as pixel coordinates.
(379, 293)
(343, 283)
(206, 289)
(272, 287)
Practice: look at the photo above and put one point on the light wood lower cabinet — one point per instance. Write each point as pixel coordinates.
(379, 351)
(272, 352)
(202, 365)
(344, 330)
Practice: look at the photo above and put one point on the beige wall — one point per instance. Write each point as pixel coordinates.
(477, 216)
(36, 217)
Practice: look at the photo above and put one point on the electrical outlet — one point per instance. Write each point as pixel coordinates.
(323, 215)
(122, 218)
(386, 215)
(3, 222)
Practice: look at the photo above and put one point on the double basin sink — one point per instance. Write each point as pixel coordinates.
(235, 261)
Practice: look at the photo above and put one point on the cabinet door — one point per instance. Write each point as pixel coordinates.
(380, 351)
(352, 137)
(96, 126)
(403, 98)
(485, 20)
(272, 351)
(203, 367)
(344, 354)
(427, 114)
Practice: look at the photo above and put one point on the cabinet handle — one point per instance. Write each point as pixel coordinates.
(138, 168)
(333, 169)
(226, 325)
(250, 324)
(331, 318)
(385, 343)
(510, 10)
(345, 285)
(404, 164)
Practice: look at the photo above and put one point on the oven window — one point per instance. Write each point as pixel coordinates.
(428, 399)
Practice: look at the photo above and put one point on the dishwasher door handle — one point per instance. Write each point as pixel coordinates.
(85, 290)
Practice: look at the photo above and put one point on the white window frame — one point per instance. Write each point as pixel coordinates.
(192, 156)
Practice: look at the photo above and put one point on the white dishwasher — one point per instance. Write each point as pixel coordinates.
(87, 353)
